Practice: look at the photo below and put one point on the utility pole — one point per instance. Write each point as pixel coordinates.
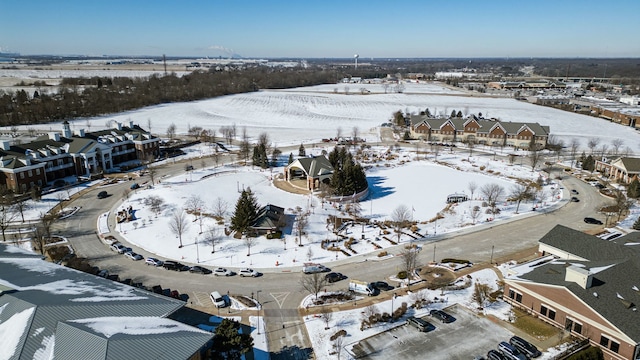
(164, 61)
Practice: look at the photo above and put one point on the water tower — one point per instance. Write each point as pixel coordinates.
(356, 56)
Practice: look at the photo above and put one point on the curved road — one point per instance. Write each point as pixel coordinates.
(280, 293)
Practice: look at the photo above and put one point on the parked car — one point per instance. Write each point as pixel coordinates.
(525, 347)
(334, 276)
(175, 266)
(134, 186)
(153, 261)
(590, 220)
(133, 255)
(117, 247)
(199, 270)
(442, 316)
(510, 352)
(217, 299)
(383, 286)
(103, 194)
(575, 199)
(222, 272)
(599, 186)
(314, 268)
(248, 272)
(574, 192)
(419, 324)
(495, 355)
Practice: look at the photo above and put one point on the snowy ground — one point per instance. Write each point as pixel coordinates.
(392, 183)
(309, 114)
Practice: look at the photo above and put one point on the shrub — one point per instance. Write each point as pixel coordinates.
(382, 254)
(338, 334)
(402, 275)
(457, 261)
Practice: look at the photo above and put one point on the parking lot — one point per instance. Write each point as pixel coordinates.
(466, 337)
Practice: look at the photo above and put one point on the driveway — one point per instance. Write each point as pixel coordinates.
(469, 335)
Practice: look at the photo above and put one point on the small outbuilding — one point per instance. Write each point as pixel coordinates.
(456, 198)
(312, 170)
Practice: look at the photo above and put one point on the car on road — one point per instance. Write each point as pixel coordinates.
(441, 315)
(153, 261)
(590, 220)
(103, 194)
(575, 199)
(383, 286)
(334, 276)
(574, 192)
(175, 266)
(222, 272)
(199, 270)
(134, 186)
(248, 272)
(525, 347)
(314, 268)
(133, 256)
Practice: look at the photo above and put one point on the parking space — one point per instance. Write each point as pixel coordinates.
(464, 338)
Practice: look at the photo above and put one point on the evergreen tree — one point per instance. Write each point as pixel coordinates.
(636, 225)
(634, 189)
(246, 211)
(589, 163)
(290, 158)
(459, 114)
(302, 151)
(453, 113)
(229, 343)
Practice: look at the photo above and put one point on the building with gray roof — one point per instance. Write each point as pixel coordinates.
(50, 311)
(591, 288)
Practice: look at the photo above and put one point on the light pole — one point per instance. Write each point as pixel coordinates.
(259, 308)
(395, 295)
(491, 261)
(197, 252)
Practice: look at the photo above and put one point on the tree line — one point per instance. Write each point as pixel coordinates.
(93, 96)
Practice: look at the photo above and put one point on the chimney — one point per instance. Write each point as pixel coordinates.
(66, 130)
(130, 124)
(54, 136)
(5, 145)
(117, 125)
(578, 275)
(80, 132)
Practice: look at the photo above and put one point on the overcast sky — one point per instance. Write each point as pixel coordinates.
(321, 29)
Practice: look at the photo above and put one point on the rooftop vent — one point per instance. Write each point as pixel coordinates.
(579, 276)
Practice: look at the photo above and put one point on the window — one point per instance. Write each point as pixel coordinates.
(543, 310)
(21, 175)
(614, 346)
(518, 297)
(29, 173)
(552, 314)
(512, 294)
(577, 327)
(37, 171)
(604, 341)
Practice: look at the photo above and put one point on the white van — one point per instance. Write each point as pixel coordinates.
(217, 299)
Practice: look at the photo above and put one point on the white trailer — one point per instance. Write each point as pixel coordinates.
(362, 287)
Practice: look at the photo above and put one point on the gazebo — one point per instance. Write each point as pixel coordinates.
(310, 171)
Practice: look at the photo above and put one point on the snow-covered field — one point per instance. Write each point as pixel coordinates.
(308, 114)
(421, 185)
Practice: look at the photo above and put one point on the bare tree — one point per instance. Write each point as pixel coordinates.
(326, 315)
(470, 144)
(39, 240)
(338, 133)
(409, 258)
(475, 213)
(481, 293)
(603, 151)
(338, 342)
(211, 237)
(492, 193)
(520, 192)
(171, 131)
(534, 158)
(245, 146)
(220, 208)
(622, 204)
(302, 221)
(249, 241)
(472, 186)
(616, 145)
(354, 133)
(7, 216)
(21, 206)
(46, 222)
(178, 224)
(573, 146)
(125, 194)
(194, 205)
(592, 144)
(313, 283)
(148, 124)
(401, 216)
(155, 203)
(152, 172)
(263, 140)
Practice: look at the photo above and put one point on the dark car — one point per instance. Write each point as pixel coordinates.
(383, 286)
(134, 186)
(525, 347)
(334, 276)
(575, 192)
(102, 194)
(495, 355)
(590, 220)
(175, 266)
(575, 199)
(200, 270)
(441, 315)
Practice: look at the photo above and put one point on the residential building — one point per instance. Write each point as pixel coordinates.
(313, 170)
(587, 286)
(62, 155)
(50, 311)
(481, 131)
(622, 170)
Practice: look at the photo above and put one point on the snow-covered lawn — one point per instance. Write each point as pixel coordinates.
(421, 185)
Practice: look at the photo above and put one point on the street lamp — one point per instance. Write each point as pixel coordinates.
(395, 295)
(259, 308)
(197, 252)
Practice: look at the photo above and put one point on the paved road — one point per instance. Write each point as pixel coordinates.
(281, 293)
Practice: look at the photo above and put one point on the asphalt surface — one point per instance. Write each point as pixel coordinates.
(280, 292)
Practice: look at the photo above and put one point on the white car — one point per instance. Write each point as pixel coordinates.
(133, 256)
(117, 247)
(153, 261)
(222, 272)
(248, 272)
(217, 299)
